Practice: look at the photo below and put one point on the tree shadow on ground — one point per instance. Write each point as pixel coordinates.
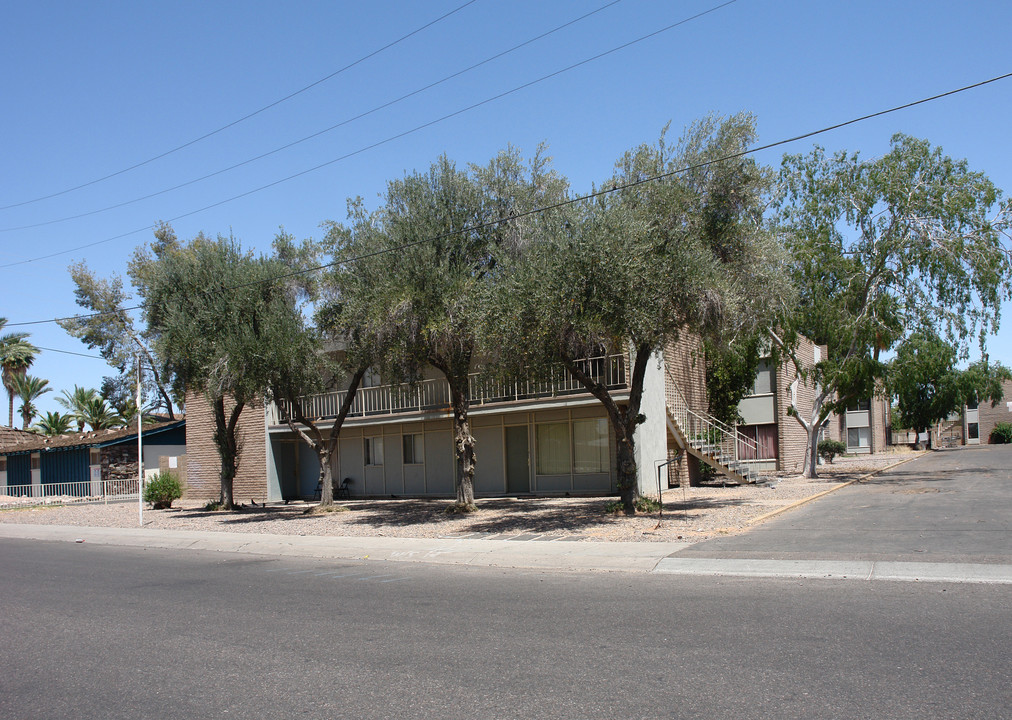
(494, 515)
(904, 477)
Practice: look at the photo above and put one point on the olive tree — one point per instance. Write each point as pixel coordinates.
(417, 265)
(674, 243)
(220, 318)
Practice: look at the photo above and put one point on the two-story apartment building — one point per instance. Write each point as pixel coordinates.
(549, 436)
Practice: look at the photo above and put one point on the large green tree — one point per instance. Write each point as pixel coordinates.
(929, 386)
(317, 358)
(213, 313)
(679, 246)
(108, 326)
(418, 266)
(879, 247)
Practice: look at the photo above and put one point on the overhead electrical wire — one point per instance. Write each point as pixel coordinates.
(571, 201)
(347, 121)
(379, 143)
(277, 102)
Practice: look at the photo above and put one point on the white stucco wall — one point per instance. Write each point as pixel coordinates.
(651, 437)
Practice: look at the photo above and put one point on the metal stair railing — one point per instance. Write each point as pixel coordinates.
(712, 438)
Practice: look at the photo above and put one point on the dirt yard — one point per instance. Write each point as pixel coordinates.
(689, 513)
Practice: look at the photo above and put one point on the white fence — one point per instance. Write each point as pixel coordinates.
(88, 491)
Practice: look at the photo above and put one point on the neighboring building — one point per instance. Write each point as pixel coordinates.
(72, 464)
(864, 426)
(780, 440)
(543, 437)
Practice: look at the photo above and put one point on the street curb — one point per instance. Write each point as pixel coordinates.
(802, 501)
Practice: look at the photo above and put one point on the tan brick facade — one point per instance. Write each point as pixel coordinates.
(685, 372)
(203, 466)
(792, 440)
(686, 369)
(989, 416)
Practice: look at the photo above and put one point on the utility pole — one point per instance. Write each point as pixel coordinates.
(140, 450)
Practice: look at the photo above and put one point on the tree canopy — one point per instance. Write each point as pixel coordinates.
(880, 247)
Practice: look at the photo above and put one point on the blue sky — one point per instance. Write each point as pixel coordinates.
(93, 88)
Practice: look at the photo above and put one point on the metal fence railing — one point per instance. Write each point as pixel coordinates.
(713, 438)
(88, 491)
(434, 394)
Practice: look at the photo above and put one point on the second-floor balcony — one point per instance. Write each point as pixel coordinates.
(433, 395)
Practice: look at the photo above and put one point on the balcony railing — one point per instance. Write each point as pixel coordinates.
(434, 395)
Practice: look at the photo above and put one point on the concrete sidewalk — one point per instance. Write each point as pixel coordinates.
(555, 555)
(570, 556)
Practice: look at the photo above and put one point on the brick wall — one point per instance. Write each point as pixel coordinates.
(686, 369)
(203, 466)
(879, 419)
(791, 437)
(989, 416)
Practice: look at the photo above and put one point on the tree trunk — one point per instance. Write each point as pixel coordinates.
(623, 420)
(627, 471)
(326, 475)
(228, 448)
(812, 471)
(463, 443)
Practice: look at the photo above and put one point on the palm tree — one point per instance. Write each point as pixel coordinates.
(29, 389)
(54, 423)
(77, 401)
(16, 356)
(99, 415)
(128, 413)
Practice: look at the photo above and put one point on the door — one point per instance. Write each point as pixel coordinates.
(518, 460)
(972, 425)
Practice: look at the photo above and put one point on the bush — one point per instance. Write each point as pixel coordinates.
(829, 449)
(162, 490)
(1002, 434)
(642, 504)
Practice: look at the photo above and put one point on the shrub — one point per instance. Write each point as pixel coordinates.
(829, 449)
(162, 490)
(1002, 434)
(642, 504)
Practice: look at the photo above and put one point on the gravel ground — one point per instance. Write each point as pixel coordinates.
(689, 513)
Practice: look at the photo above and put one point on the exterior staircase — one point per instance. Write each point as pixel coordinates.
(713, 442)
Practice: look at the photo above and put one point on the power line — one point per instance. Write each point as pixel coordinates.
(570, 201)
(244, 117)
(319, 132)
(379, 143)
(69, 352)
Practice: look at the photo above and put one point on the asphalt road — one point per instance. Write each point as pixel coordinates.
(105, 632)
(948, 506)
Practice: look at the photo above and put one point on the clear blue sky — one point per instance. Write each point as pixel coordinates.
(92, 88)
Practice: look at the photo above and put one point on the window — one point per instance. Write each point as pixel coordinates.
(973, 431)
(374, 451)
(35, 461)
(765, 439)
(371, 378)
(859, 406)
(590, 446)
(859, 437)
(972, 405)
(3, 463)
(412, 445)
(94, 456)
(553, 449)
(763, 380)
